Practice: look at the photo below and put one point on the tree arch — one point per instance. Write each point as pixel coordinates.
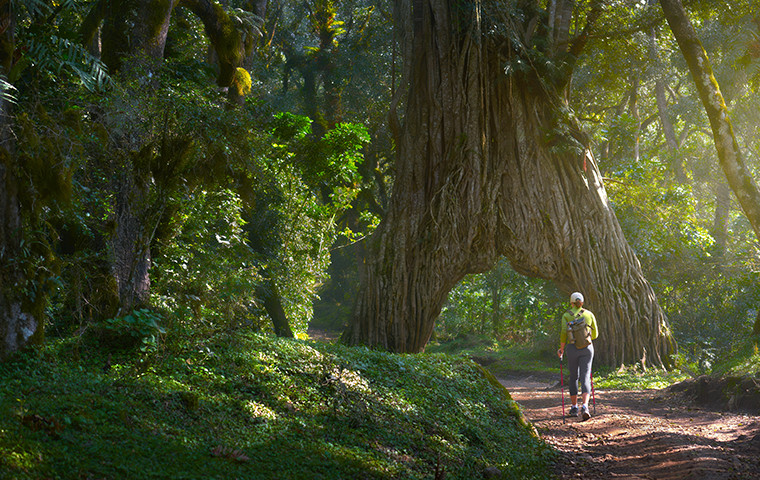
(489, 165)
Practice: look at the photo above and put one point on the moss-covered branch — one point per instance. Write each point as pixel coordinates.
(225, 38)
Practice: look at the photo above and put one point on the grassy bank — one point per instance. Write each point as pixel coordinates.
(255, 407)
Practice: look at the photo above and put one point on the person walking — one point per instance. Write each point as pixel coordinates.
(578, 329)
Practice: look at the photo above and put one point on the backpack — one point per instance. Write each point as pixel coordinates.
(578, 332)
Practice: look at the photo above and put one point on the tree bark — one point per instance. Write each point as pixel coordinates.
(89, 30)
(729, 155)
(138, 30)
(495, 308)
(19, 323)
(479, 176)
(562, 11)
(130, 243)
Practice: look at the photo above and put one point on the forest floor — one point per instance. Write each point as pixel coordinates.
(640, 434)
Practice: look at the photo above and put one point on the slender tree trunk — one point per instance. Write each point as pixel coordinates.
(667, 129)
(89, 30)
(729, 155)
(19, 324)
(607, 147)
(664, 113)
(495, 309)
(272, 300)
(633, 107)
(662, 109)
(720, 221)
(477, 179)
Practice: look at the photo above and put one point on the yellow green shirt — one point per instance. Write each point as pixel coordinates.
(570, 315)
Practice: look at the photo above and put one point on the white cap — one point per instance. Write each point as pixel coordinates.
(576, 296)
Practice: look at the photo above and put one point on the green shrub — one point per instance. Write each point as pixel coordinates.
(140, 328)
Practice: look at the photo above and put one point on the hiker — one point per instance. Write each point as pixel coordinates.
(578, 330)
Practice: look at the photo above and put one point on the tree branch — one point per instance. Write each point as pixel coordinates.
(224, 37)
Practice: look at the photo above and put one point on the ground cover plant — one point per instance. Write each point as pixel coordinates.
(253, 406)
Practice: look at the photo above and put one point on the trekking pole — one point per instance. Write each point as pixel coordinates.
(593, 400)
(562, 387)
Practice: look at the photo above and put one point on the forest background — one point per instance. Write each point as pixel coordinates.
(229, 184)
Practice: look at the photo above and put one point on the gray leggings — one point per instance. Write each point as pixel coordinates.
(579, 366)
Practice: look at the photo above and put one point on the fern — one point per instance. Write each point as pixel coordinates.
(36, 8)
(39, 8)
(249, 24)
(6, 91)
(55, 54)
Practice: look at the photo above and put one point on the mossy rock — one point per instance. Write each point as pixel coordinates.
(734, 393)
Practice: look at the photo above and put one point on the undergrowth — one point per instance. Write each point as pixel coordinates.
(503, 359)
(256, 407)
(634, 378)
(743, 359)
(499, 357)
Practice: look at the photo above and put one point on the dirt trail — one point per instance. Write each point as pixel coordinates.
(643, 434)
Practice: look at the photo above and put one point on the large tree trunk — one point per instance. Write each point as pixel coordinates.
(20, 324)
(485, 168)
(135, 31)
(729, 155)
(131, 28)
(138, 30)
(130, 242)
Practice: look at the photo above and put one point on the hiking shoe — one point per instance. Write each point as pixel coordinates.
(573, 411)
(585, 415)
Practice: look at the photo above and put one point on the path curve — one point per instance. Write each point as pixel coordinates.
(641, 434)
